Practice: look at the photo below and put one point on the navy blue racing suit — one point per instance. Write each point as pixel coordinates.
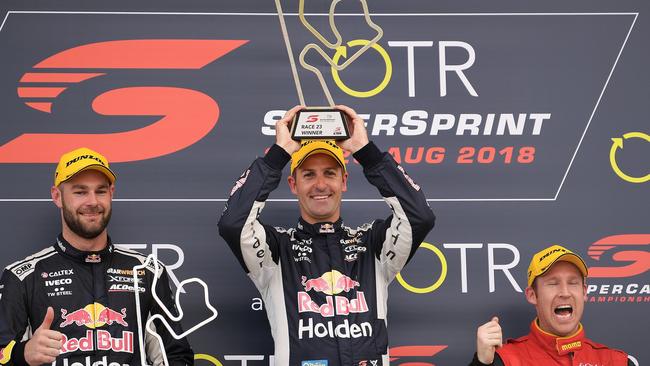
(325, 285)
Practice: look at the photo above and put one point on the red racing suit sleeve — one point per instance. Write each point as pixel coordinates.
(14, 320)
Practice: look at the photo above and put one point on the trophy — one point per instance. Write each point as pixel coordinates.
(316, 123)
(322, 122)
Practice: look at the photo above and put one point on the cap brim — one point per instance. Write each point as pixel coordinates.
(98, 167)
(320, 151)
(571, 258)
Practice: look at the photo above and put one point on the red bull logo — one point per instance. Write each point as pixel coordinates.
(93, 316)
(331, 283)
(105, 342)
(93, 258)
(110, 316)
(79, 317)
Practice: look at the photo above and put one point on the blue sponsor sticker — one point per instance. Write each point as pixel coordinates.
(314, 363)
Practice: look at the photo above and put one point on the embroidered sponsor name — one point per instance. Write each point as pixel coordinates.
(572, 345)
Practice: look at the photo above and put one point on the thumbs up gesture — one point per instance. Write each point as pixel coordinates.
(45, 344)
(488, 338)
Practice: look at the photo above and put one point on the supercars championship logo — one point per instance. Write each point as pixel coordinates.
(40, 87)
(492, 117)
(629, 255)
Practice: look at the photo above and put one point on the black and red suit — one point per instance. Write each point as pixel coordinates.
(92, 294)
(325, 285)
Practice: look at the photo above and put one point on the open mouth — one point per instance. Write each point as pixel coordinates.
(564, 311)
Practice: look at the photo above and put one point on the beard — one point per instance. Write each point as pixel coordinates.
(87, 231)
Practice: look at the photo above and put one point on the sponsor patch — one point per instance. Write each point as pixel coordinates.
(121, 287)
(126, 272)
(314, 363)
(326, 229)
(93, 258)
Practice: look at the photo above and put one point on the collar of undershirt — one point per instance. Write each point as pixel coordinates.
(559, 345)
(66, 249)
(320, 228)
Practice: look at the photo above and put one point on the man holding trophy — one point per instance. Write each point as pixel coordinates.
(324, 284)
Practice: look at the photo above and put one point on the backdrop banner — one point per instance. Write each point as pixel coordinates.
(525, 127)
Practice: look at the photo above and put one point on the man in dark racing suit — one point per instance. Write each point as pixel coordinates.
(325, 285)
(73, 303)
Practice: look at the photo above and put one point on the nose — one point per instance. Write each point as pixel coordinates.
(320, 183)
(564, 290)
(91, 199)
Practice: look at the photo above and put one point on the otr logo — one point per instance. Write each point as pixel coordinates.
(39, 89)
(463, 248)
(443, 67)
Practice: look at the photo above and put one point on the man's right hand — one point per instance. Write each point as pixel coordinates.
(283, 134)
(488, 338)
(45, 344)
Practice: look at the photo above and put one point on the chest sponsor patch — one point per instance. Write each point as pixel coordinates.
(314, 363)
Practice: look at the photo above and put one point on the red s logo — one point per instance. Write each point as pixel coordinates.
(312, 118)
(186, 115)
(397, 353)
(639, 260)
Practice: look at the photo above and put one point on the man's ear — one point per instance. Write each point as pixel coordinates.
(292, 184)
(345, 182)
(531, 296)
(56, 194)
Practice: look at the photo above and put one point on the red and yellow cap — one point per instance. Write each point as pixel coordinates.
(79, 160)
(543, 260)
(311, 147)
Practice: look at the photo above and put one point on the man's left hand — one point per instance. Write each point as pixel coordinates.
(357, 128)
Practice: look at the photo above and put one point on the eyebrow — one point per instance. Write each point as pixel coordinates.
(83, 186)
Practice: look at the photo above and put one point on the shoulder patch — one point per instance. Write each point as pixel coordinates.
(25, 267)
(360, 229)
(596, 345)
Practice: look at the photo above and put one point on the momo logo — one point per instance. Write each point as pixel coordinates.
(631, 249)
(41, 88)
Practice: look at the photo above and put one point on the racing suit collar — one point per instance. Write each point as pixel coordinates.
(321, 228)
(66, 249)
(557, 345)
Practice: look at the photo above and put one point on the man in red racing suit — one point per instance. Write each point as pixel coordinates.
(556, 287)
(324, 284)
